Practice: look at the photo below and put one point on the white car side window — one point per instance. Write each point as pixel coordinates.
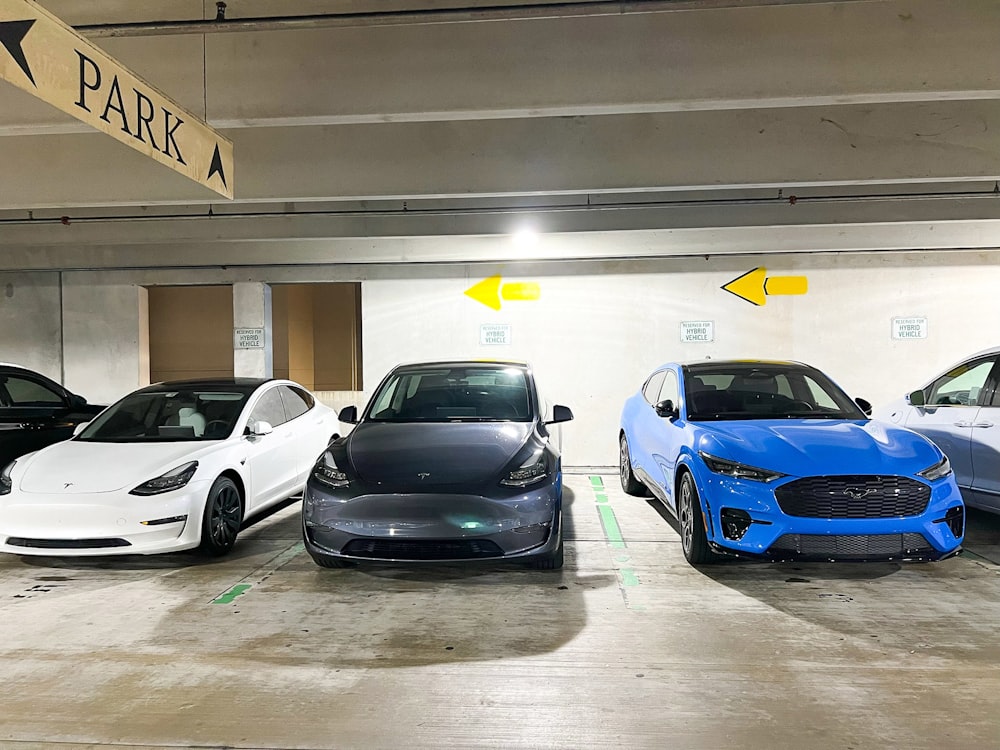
(961, 386)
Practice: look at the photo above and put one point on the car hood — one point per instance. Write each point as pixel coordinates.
(448, 453)
(75, 467)
(806, 447)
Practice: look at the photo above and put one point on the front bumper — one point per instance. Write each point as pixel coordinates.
(774, 535)
(431, 526)
(106, 523)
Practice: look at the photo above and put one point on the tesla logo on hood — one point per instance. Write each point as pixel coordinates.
(67, 485)
(423, 475)
(858, 492)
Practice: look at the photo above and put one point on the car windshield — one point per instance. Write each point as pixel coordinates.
(467, 393)
(159, 416)
(765, 391)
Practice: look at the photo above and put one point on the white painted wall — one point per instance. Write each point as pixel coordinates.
(594, 335)
(595, 332)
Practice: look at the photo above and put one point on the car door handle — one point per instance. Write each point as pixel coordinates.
(964, 424)
(982, 424)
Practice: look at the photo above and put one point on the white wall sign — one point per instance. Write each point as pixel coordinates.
(909, 328)
(697, 331)
(494, 334)
(248, 338)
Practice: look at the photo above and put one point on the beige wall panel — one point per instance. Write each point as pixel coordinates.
(190, 332)
(337, 324)
(301, 334)
(279, 329)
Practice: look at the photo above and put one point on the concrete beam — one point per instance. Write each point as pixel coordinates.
(230, 260)
(781, 55)
(802, 146)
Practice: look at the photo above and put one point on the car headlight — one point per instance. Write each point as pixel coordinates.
(738, 470)
(941, 469)
(172, 480)
(5, 482)
(531, 471)
(326, 472)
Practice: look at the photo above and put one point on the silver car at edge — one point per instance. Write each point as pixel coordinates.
(451, 461)
(959, 410)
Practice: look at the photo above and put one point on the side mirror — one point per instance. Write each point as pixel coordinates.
(866, 407)
(79, 428)
(666, 409)
(560, 414)
(917, 398)
(261, 428)
(76, 402)
(348, 415)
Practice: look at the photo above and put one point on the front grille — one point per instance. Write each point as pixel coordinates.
(422, 549)
(853, 496)
(20, 541)
(853, 547)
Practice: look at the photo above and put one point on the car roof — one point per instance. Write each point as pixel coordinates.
(712, 364)
(243, 385)
(463, 363)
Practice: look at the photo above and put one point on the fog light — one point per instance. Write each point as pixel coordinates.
(161, 521)
(734, 523)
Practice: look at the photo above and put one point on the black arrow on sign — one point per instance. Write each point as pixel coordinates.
(216, 167)
(12, 33)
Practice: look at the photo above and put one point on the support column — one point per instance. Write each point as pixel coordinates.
(253, 352)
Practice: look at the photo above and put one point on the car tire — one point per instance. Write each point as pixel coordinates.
(221, 518)
(551, 561)
(694, 541)
(333, 562)
(630, 483)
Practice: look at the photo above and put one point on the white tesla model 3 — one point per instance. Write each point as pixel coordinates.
(170, 467)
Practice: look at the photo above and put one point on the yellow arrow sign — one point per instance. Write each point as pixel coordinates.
(490, 291)
(756, 286)
(49, 60)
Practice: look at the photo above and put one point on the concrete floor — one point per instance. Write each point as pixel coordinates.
(626, 647)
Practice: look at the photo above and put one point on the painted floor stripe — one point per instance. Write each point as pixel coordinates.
(611, 529)
(597, 483)
(238, 590)
(260, 575)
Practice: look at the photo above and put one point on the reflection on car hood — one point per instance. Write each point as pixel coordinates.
(449, 453)
(813, 447)
(76, 467)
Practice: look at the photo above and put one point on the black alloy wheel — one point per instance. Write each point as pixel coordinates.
(222, 518)
(630, 483)
(694, 541)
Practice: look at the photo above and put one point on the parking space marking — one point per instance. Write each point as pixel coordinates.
(627, 577)
(259, 575)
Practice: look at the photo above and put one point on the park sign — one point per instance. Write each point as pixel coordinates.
(48, 59)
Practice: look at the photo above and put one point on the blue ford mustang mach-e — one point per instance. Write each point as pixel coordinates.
(773, 460)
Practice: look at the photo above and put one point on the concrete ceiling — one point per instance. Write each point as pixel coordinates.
(691, 127)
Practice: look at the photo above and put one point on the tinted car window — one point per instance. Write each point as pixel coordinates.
(157, 416)
(652, 388)
(269, 409)
(24, 392)
(454, 393)
(962, 385)
(297, 402)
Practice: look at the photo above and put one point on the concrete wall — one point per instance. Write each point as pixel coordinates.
(30, 328)
(594, 332)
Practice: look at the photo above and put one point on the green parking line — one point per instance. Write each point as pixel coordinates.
(597, 483)
(601, 497)
(235, 591)
(629, 578)
(611, 530)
